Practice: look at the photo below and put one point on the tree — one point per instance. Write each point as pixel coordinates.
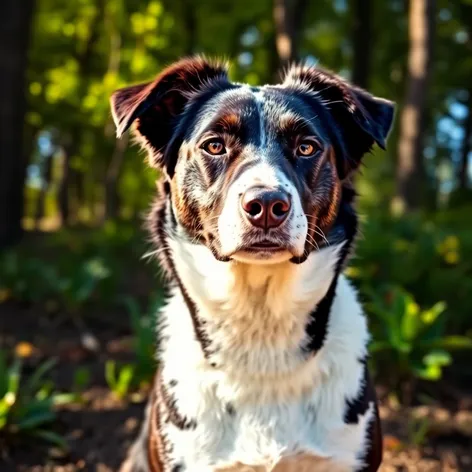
(288, 22)
(361, 41)
(15, 24)
(410, 167)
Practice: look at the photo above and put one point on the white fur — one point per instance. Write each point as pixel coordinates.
(288, 408)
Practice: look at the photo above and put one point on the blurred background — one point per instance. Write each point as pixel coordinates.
(78, 294)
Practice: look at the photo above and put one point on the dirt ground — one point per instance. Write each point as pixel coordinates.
(101, 428)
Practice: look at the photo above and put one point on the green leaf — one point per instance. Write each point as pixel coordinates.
(411, 321)
(14, 375)
(64, 398)
(430, 372)
(50, 437)
(448, 343)
(439, 358)
(110, 374)
(33, 421)
(428, 317)
(124, 380)
(34, 382)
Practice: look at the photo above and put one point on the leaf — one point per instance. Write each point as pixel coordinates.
(50, 437)
(430, 372)
(35, 420)
(448, 343)
(64, 398)
(124, 380)
(439, 358)
(110, 374)
(411, 321)
(34, 381)
(14, 375)
(430, 316)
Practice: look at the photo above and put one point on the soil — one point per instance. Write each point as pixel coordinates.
(100, 429)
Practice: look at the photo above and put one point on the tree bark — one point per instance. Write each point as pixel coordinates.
(15, 27)
(362, 41)
(410, 166)
(288, 21)
(190, 22)
(466, 146)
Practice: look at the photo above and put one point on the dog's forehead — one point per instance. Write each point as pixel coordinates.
(252, 107)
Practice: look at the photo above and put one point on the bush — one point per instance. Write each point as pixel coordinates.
(409, 342)
(430, 259)
(27, 405)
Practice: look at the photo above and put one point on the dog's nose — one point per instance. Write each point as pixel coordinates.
(265, 207)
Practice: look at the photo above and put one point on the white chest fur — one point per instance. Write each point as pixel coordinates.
(265, 405)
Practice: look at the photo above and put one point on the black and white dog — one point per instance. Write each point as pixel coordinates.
(262, 344)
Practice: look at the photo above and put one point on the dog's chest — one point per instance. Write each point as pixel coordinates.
(307, 434)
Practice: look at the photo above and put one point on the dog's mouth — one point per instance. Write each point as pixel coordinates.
(264, 246)
(265, 251)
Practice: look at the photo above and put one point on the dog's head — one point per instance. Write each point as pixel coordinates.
(254, 173)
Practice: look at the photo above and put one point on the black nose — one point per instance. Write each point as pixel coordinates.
(265, 207)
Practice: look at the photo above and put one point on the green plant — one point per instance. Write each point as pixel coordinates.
(76, 288)
(144, 339)
(27, 405)
(119, 379)
(418, 429)
(429, 257)
(409, 340)
(81, 379)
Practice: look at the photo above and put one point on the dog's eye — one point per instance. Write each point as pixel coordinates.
(214, 147)
(307, 148)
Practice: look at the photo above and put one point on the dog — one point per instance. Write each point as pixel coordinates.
(263, 342)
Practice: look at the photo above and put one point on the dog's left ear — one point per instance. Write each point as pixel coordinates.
(155, 107)
(362, 118)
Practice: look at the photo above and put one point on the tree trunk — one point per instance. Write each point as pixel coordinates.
(466, 146)
(288, 21)
(362, 41)
(190, 22)
(410, 166)
(15, 26)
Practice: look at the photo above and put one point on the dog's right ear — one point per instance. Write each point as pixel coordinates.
(154, 106)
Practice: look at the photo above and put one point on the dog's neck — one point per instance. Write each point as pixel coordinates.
(246, 309)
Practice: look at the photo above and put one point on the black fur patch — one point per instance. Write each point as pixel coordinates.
(360, 404)
(171, 410)
(345, 229)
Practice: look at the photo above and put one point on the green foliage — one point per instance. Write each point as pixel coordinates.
(428, 257)
(411, 341)
(27, 405)
(81, 379)
(119, 378)
(32, 279)
(72, 268)
(144, 339)
(122, 379)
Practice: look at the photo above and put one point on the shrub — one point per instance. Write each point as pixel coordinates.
(27, 405)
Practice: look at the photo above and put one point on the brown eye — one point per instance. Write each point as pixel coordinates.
(214, 147)
(307, 149)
